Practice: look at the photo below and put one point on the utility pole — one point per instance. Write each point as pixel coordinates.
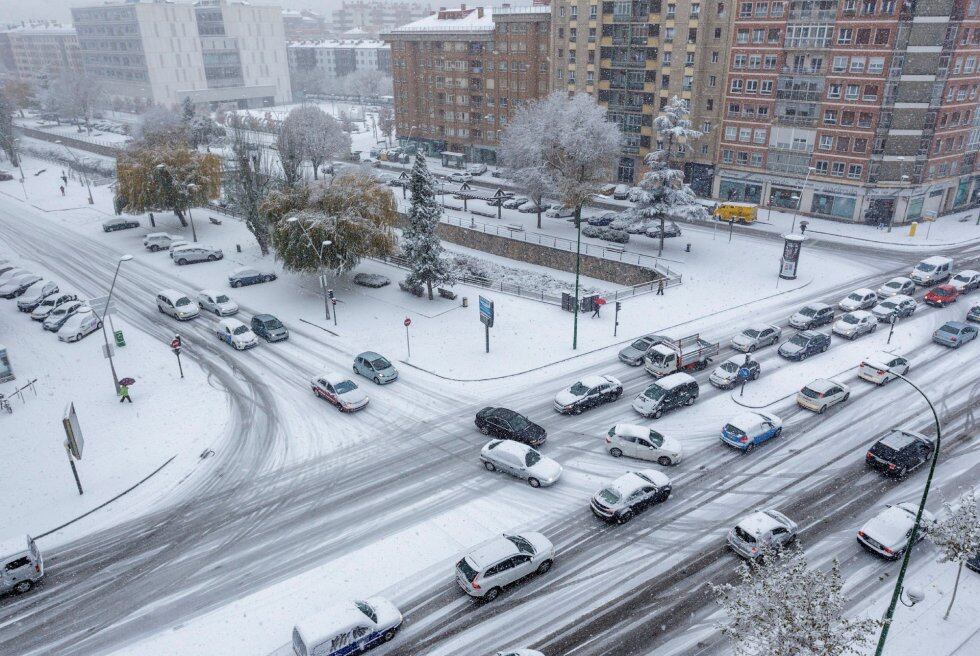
(578, 261)
(619, 306)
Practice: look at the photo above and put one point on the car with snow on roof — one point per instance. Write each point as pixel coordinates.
(502, 561)
(760, 531)
(750, 429)
(630, 494)
(854, 324)
(756, 336)
(348, 628)
(882, 367)
(812, 315)
(900, 452)
(643, 443)
(236, 334)
(954, 334)
(587, 393)
(725, 375)
(899, 306)
(79, 325)
(888, 533)
(966, 281)
(822, 393)
(521, 461)
(859, 299)
(895, 286)
(666, 394)
(249, 276)
(804, 344)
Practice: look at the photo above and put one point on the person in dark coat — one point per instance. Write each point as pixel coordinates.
(660, 287)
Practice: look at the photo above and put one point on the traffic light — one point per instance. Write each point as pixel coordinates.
(619, 306)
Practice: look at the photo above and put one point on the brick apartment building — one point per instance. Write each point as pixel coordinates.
(633, 55)
(460, 74)
(856, 109)
(39, 52)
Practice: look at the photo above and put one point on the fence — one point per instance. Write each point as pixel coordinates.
(105, 149)
(19, 392)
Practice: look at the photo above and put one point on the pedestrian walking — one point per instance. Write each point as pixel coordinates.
(64, 177)
(660, 287)
(597, 305)
(62, 187)
(124, 393)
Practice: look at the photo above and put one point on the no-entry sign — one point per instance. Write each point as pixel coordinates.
(408, 322)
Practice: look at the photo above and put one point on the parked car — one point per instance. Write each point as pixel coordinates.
(822, 393)
(249, 276)
(725, 375)
(515, 202)
(58, 316)
(177, 304)
(633, 354)
(669, 392)
(520, 460)
(476, 169)
(854, 324)
(236, 334)
(898, 306)
(340, 391)
(643, 443)
(530, 207)
(347, 628)
(376, 367)
(45, 307)
(804, 344)
(932, 270)
(196, 253)
(859, 299)
(509, 425)
(887, 533)
(748, 430)
(954, 334)
(973, 314)
(158, 241)
(621, 192)
(460, 177)
(18, 284)
(524, 652)
(21, 564)
(670, 229)
(35, 294)
(483, 572)
(588, 393)
(372, 280)
(941, 296)
(80, 324)
(7, 273)
(559, 211)
(175, 244)
(900, 285)
(882, 367)
(756, 337)
(966, 281)
(630, 494)
(761, 530)
(900, 452)
(217, 302)
(812, 316)
(269, 328)
(119, 223)
(603, 219)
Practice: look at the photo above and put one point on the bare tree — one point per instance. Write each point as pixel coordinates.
(386, 123)
(320, 135)
(253, 181)
(957, 536)
(74, 95)
(159, 126)
(289, 144)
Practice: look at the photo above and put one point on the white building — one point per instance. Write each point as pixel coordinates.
(215, 52)
(333, 58)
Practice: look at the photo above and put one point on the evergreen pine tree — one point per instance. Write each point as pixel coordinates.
(421, 245)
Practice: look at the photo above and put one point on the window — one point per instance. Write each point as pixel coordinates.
(857, 64)
(840, 64)
(689, 59)
(751, 86)
(851, 93)
(864, 120)
(833, 90)
(695, 10)
(745, 10)
(837, 169)
(714, 57)
(970, 65)
(742, 35)
(692, 35)
(860, 145)
(759, 136)
(671, 10)
(830, 117)
(863, 36)
(743, 158)
(757, 160)
(845, 36)
(843, 144)
(755, 62)
(761, 9)
(717, 33)
(745, 134)
(727, 156)
(847, 118)
(826, 142)
(709, 104)
(870, 92)
(736, 85)
(773, 36)
(712, 81)
(758, 36)
(821, 166)
(876, 64)
(769, 62)
(882, 37)
(766, 87)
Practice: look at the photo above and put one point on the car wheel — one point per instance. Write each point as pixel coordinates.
(846, 397)
(78, 336)
(625, 517)
(749, 447)
(874, 327)
(902, 472)
(752, 349)
(236, 283)
(485, 430)
(577, 410)
(23, 586)
(664, 460)
(545, 566)
(377, 381)
(267, 278)
(755, 375)
(824, 348)
(212, 258)
(533, 482)
(489, 466)
(154, 249)
(822, 409)
(182, 261)
(491, 594)
(658, 414)
(389, 635)
(690, 401)
(804, 356)
(616, 453)
(779, 431)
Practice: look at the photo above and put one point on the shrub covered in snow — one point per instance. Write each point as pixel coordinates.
(495, 274)
(607, 233)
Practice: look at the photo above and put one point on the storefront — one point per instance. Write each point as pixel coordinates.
(784, 197)
(841, 207)
(962, 193)
(737, 190)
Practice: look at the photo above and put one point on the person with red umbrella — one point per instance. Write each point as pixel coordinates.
(599, 302)
(124, 389)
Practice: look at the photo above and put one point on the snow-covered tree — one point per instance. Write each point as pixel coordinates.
(166, 178)
(20, 93)
(252, 182)
(386, 123)
(420, 243)
(672, 127)
(74, 95)
(781, 607)
(160, 127)
(956, 533)
(7, 143)
(319, 134)
(522, 161)
(289, 144)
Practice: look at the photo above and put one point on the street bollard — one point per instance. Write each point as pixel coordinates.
(912, 228)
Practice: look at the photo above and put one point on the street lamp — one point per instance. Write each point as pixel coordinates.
(897, 594)
(319, 253)
(91, 201)
(799, 201)
(105, 335)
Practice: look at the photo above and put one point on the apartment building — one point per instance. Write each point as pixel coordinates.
(39, 52)
(633, 55)
(218, 53)
(304, 25)
(376, 16)
(861, 110)
(460, 74)
(333, 58)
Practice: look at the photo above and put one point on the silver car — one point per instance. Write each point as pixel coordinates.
(196, 253)
(483, 572)
(633, 354)
(376, 367)
(898, 306)
(522, 461)
(42, 311)
(756, 337)
(630, 494)
(900, 285)
(761, 530)
(58, 316)
(217, 302)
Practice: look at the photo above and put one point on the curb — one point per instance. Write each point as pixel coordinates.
(601, 348)
(899, 245)
(103, 505)
(788, 396)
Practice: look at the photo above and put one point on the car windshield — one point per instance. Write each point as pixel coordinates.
(893, 283)
(889, 305)
(922, 266)
(182, 301)
(523, 544)
(640, 345)
(799, 340)
(751, 333)
(344, 387)
(241, 330)
(733, 430)
(952, 330)
(532, 458)
(467, 571)
(221, 298)
(656, 439)
(813, 394)
(729, 366)
(744, 535)
(273, 324)
(578, 389)
(808, 311)
(850, 318)
(610, 496)
(518, 422)
(365, 608)
(654, 392)
(939, 291)
(380, 364)
(856, 297)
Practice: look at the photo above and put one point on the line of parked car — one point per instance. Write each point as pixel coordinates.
(58, 311)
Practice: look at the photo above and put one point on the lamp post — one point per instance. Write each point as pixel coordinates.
(105, 335)
(799, 202)
(896, 595)
(74, 157)
(319, 253)
(191, 189)
(578, 260)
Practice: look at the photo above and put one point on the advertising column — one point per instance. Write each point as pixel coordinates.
(791, 256)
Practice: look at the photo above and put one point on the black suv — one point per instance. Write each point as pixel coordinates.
(804, 344)
(899, 452)
(510, 425)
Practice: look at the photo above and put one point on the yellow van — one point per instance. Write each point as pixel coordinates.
(741, 212)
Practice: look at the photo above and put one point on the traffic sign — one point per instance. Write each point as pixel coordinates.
(408, 322)
(486, 312)
(744, 373)
(175, 342)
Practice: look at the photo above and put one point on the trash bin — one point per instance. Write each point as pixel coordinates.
(120, 340)
(466, 302)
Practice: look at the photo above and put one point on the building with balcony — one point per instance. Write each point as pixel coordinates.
(633, 55)
(854, 109)
(460, 74)
(372, 17)
(39, 52)
(218, 53)
(334, 58)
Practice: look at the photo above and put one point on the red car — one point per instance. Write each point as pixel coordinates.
(942, 295)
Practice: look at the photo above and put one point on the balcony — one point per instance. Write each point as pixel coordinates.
(807, 43)
(803, 70)
(804, 95)
(811, 15)
(796, 120)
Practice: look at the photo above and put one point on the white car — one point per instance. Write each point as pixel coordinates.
(900, 285)
(16, 285)
(175, 244)
(347, 628)
(35, 294)
(588, 393)
(158, 241)
(630, 494)
(58, 316)
(898, 306)
(476, 169)
(763, 528)
(520, 460)
(42, 311)
(460, 177)
(217, 302)
(515, 202)
(81, 323)
(519, 652)
(483, 572)
(888, 533)
(340, 391)
(177, 305)
(236, 334)
(821, 394)
(882, 367)
(854, 324)
(859, 299)
(11, 273)
(558, 211)
(644, 443)
(725, 375)
(755, 337)
(966, 281)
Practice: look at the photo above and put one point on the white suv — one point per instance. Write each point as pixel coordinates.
(502, 561)
(762, 529)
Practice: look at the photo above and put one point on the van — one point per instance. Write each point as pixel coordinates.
(348, 628)
(176, 304)
(196, 253)
(666, 394)
(744, 213)
(21, 565)
(932, 270)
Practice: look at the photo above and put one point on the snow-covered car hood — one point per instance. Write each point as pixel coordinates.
(353, 397)
(790, 347)
(720, 374)
(841, 326)
(244, 338)
(672, 446)
(15, 284)
(800, 318)
(388, 613)
(631, 353)
(545, 469)
(849, 305)
(565, 397)
(890, 526)
(743, 340)
(74, 323)
(227, 306)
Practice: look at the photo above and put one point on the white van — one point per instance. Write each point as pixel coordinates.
(21, 565)
(349, 628)
(932, 270)
(176, 304)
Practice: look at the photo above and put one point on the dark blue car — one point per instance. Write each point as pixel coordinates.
(269, 328)
(249, 276)
(804, 344)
